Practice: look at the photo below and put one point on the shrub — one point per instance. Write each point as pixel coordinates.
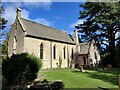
(21, 68)
(105, 59)
(57, 85)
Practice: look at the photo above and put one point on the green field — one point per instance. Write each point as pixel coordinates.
(73, 78)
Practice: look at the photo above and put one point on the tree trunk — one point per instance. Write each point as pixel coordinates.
(112, 47)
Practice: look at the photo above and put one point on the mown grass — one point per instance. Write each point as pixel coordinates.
(73, 78)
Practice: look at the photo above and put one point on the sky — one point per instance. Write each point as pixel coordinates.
(59, 15)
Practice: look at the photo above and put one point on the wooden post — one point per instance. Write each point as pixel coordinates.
(119, 81)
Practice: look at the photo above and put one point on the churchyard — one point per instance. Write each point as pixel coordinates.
(73, 78)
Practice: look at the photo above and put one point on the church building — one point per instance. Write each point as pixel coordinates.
(49, 44)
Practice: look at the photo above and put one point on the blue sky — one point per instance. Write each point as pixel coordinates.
(59, 15)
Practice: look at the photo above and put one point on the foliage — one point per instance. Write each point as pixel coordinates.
(118, 53)
(3, 21)
(21, 68)
(105, 59)
(80, 41)
(57, 85)
(78, 38)
(60, 61)
(102, 22)
(105, 56)
(5, 45)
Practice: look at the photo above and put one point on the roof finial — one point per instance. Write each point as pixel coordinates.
(18, 12)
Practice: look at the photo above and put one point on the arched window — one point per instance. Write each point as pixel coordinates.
(54, 52)
(41, 51)
(95, 56)
(15, 45)
(64, 52)
(72, 54)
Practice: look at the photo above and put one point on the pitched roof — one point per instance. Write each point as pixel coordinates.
(42, 31)
(84, 47)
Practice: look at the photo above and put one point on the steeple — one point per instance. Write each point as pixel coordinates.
(18, 12)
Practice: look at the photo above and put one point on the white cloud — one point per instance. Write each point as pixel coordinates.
(44, 0)
(43, 21)
(32, 5)
(26, 0)
(57, 17)
(25, 13)
(10, 14)
(76, 23)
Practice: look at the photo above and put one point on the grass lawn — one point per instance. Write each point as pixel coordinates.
(73, 78)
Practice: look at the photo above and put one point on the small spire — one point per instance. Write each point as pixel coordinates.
(18, 12)
(76, 37)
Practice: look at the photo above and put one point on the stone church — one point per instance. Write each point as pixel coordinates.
(49, 44)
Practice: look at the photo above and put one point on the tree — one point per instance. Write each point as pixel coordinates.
(118, 53)
(3, 21)
(80, 41)
(3, 33)
(102, 22)
(5, 45)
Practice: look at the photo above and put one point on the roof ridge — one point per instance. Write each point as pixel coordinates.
(40, 24)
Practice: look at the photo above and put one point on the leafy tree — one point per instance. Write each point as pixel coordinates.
(80, 41)
(3, 33)
(102, 22)
(5, 45)
(118, 53)
(3, 21)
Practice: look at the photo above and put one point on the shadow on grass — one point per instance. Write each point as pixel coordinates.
(106, 76)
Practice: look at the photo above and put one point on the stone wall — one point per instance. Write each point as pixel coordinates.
(20, 34)
(93, 50)
(11, 41)
(16, 39)
(18, 43)
(32, 45)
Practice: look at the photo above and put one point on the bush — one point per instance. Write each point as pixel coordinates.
(105, 59)
(57, 85)
(21, 68)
